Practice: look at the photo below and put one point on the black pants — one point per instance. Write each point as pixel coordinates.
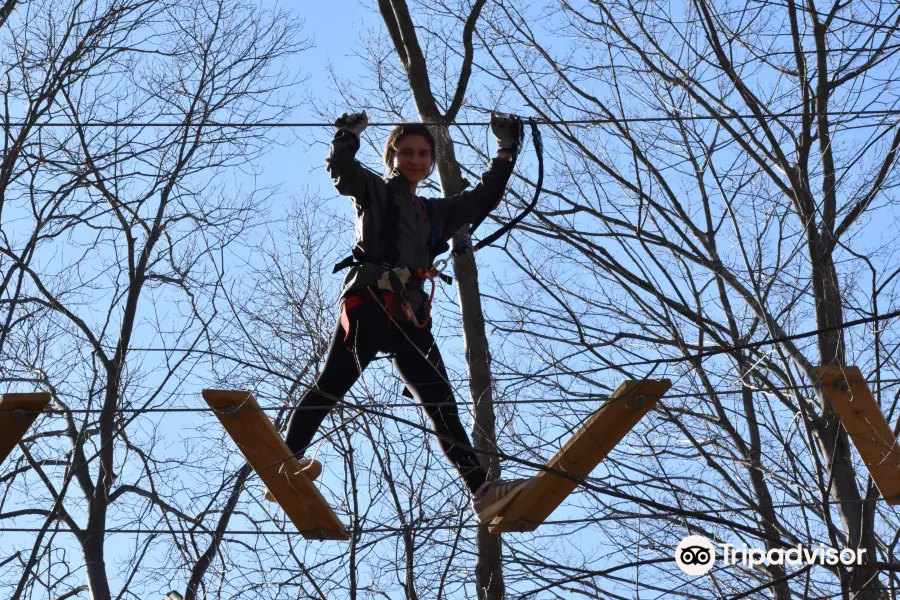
(416, 358)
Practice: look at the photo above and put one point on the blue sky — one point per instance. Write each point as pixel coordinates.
(333, 28)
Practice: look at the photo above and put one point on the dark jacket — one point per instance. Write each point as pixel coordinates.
(416, 239)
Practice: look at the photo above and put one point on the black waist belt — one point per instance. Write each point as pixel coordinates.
(352, 261)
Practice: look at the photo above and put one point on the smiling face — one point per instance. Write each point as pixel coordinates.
(412, 157)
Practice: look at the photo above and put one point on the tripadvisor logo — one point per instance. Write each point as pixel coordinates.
(696, 555)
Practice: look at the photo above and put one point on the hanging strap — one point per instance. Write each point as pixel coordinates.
(345, 263)
(539, 151)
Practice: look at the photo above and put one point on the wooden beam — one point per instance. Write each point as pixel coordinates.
(860, 415)
(590, 445)
(17, 413)
(265, 450)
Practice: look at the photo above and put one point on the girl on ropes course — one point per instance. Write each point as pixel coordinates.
(384, 306)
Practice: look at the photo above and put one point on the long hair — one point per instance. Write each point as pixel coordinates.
(398, 133)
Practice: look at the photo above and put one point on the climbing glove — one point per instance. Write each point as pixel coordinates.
(355, 123)
(509, 131)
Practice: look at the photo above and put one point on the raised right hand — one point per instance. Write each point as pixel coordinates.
(509, 131)
(355, 123)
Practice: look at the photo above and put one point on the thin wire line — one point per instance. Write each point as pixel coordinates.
(596, 121)
(424, 527)
(584, 399)
(761, 343)
(350, 530)
(649, 361)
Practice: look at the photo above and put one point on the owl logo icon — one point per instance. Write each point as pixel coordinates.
(695, 555)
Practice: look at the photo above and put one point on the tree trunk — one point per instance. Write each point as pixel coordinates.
(832, 438)
(95, 565)
(488, 567)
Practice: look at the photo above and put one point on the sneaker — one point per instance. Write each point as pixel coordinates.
(308, 466)
(494, 496)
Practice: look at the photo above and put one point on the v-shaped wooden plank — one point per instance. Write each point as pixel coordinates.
(590, 445)
(270, 457)
(17, 413)
(865, 423)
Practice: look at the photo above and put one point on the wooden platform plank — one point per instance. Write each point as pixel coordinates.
(866, 425)
(270, 457)
(578, 457)
(17, 413)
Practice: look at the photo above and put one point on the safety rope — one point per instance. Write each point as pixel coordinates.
(539, 151)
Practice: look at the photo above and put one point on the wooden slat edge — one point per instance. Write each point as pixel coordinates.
(26, 400)
(315, 508)
(545, 482)
(18, 412)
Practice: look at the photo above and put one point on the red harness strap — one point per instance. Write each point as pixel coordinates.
(357, 299)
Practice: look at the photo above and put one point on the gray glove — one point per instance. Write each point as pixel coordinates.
(355, 123)
(509, 131)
